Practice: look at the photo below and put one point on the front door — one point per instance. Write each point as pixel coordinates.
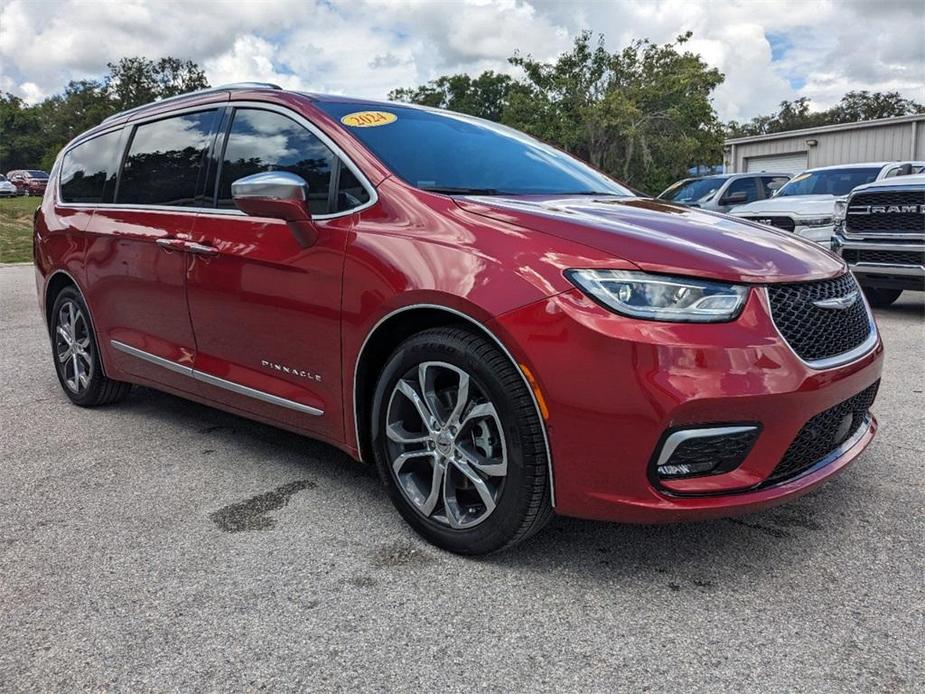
(265, 308)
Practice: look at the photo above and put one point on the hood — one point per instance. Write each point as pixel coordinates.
(798, 204)
(667, 238)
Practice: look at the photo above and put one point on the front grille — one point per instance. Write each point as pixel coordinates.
(857, 255)
(823, 434)
(724, 451)
(785, 223)
(819, 333)
(895, 212)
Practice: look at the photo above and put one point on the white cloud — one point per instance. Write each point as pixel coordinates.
(769, 50)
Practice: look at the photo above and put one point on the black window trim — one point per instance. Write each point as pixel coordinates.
(228, 105)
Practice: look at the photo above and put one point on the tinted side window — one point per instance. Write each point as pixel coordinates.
(88, 172)
(742, 185)
(266, 141)
(772, 184)
(166, 159)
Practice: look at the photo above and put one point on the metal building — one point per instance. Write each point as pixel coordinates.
(886, 139)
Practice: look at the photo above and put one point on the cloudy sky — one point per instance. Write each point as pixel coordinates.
(770, 50)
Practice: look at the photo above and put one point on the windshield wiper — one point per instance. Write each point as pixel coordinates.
(448, 190)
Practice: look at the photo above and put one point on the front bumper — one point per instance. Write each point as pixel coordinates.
(885, 263)
(614, 386)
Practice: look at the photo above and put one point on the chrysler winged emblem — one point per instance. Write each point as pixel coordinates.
(838, 302)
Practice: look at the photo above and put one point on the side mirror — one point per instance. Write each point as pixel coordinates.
(735, 198)
(278, 195)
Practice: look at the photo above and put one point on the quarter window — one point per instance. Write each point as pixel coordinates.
(166, 160)
(88, 171)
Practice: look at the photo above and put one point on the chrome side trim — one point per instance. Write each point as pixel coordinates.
(507, 353)
(262, 105)
(843, 359)
(215, 380)
(152, 358)
(256, 394)
(677, 438)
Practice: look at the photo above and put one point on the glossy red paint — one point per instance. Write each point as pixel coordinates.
(262, 311)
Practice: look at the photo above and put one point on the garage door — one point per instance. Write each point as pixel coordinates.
(777, 163)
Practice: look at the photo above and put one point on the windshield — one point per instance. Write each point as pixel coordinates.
(451, 153)
(37, 174)
(828, 182)
(693, 190)
(2, 178)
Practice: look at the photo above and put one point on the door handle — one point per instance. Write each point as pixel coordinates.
(187, 246)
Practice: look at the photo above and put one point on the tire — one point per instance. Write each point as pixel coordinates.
(881, 298)
(499, 440)
(76, 354)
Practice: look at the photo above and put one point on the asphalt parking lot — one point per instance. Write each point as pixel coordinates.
(159, 545)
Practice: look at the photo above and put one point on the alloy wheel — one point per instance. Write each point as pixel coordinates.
(73, 347)
(446, 445)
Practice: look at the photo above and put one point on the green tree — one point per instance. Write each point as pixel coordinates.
(854, 106)
(21, 141)
(642, 114)
(32, 136)
(485, 96)
(136, 81)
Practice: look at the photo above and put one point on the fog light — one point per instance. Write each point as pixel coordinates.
(704, 451)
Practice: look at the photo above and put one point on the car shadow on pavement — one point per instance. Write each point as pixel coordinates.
(697, 555)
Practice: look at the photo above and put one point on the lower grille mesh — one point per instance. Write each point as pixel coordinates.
(824, 433)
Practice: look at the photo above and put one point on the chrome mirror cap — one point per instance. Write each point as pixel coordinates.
(271, 185)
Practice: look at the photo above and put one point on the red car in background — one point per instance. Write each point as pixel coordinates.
(504, 331)
(29, 181)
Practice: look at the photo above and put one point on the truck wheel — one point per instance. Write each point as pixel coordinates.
(880, 298)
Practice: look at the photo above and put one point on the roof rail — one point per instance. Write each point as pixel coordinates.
(207, 90)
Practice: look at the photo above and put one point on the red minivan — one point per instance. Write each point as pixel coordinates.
(504, 331)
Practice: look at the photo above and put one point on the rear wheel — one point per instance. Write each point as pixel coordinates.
(880, 298)
(459, 444)
(76, 354)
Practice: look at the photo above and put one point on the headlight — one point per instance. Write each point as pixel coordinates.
(841, 209)
(814, 222)
(658, 297)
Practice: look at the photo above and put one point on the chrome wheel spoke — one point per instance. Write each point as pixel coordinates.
(424, 413)
(478, 483)
(446, 443)
(72, 347)
(403, 458)
(462, 399)
(436, 487)
(487, 466)
(399, 434)
(65, 335)
(480, 411)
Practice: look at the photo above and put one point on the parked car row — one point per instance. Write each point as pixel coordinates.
(872, 214)
(23, 182)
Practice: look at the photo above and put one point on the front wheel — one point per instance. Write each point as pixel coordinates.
(881, 298)
(459, 443)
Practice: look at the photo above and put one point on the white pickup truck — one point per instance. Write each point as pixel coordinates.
(805, 205)
(880, 233)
